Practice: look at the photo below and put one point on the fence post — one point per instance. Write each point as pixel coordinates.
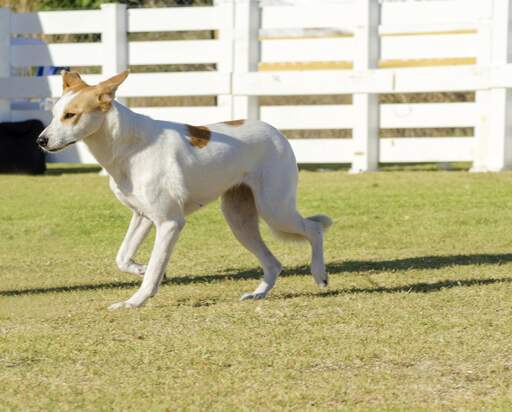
(482, 97)
(225, 37)
(365, 133)
(114, 39)
(246, 53)
(499, 147)
(5, 67)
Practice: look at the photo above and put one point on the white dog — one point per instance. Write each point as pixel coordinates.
(164, 171)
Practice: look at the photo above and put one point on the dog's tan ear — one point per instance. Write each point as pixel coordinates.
(71, 80)
(107, 89)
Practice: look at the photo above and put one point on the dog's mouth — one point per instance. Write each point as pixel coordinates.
(58, 149)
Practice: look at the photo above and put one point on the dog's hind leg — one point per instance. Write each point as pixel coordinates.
(137, 231)
(292, 226)
(241, 214)
(275, 197)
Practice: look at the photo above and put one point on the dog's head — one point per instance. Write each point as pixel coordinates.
(80, 111)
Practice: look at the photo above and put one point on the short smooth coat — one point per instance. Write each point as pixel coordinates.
(164, 171)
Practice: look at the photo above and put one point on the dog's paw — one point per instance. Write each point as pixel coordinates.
(253, 296)
(323, 284)
(132, 268)
(321, 277)
(136, 269)
(122, 305)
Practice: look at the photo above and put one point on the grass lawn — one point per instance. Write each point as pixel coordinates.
(417, 315)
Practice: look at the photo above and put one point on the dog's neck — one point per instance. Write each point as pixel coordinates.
(120, 125)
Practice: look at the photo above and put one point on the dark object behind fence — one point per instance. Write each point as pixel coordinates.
(19, 152)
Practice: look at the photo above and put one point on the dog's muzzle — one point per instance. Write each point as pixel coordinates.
(43, 140)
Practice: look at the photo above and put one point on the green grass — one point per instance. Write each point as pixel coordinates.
(417, 315)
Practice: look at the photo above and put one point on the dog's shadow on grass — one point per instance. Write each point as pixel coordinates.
(420, 287)
(334, 268)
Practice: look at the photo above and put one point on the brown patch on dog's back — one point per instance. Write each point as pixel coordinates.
(239, 122)
(199, 135)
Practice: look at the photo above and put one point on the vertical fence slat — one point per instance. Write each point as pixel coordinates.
(482, 97)
(499, 147)
(5, 67)
(493, 129)
(114, 39)
(365, 134)
(246, 53)
(226, 8)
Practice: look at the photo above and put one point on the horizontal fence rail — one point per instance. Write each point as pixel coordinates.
(70, 22)
(244, 51)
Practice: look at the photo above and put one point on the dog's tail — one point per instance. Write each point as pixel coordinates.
(324, 220)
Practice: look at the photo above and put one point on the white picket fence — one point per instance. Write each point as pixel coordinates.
(272, 31)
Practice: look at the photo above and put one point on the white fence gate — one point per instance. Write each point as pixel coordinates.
(253, 33)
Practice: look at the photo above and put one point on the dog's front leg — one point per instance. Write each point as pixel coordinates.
(137, 232)
(166, 236)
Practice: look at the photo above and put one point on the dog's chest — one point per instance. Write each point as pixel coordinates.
(126, 196)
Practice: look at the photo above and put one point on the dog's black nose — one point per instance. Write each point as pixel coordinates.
(42, 141)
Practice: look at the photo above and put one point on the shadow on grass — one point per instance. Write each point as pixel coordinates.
(421, 287)
(334, 268)
(72, 288)
(424, 262)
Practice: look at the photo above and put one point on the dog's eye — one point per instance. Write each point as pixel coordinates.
(69, 115)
